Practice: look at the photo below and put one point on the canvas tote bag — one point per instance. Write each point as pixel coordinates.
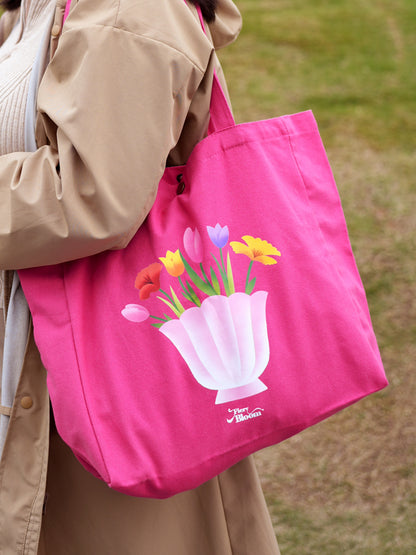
(234, 319)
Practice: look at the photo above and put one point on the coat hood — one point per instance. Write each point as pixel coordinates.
(227, 25)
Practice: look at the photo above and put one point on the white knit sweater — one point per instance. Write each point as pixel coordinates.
(23, 56)
(17, 56)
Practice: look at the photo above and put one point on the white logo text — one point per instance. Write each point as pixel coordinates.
(240, 415)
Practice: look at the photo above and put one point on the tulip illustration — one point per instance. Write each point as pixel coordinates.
(218, 235)
(135, 313)
(193, 245)
(173, 263)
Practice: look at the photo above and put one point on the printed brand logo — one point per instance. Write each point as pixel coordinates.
(241, 415)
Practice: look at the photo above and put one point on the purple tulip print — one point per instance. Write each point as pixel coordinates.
(218, 235)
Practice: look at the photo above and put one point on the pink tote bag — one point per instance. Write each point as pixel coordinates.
(234, 319)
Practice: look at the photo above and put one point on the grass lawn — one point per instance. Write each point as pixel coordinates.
(348, 485)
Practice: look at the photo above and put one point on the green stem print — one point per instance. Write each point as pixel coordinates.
(250, 284)
(172, 302)
(166, 295)
(223, 276)
(215, 282)
(161, 321)
(203, 273)
(189, 293)
(196, 280)
(230, 277)
(171, 306)
(222, 261)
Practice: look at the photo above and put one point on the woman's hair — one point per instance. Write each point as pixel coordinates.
(207, 7)
(10, 4)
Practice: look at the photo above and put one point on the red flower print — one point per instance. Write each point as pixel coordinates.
(148, 280)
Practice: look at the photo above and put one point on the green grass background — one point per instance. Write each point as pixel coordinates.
(348, 485)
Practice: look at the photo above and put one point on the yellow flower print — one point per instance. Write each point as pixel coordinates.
(173, 263)
(256, 249)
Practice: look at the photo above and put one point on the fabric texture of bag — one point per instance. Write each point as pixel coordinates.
(234, 319)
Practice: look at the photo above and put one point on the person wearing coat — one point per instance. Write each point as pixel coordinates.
(91, 111)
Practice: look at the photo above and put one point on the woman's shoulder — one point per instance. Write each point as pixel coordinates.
(172, 22)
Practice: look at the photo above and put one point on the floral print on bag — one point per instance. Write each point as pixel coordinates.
(223, 336)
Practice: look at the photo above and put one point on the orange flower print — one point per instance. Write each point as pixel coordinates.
(148, 280)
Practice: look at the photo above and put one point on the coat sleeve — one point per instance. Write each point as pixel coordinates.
(110, 112)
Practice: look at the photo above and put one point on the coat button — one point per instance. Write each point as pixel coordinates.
(26, 402)
(56, 29)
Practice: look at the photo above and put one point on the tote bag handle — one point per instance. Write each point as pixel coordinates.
(66, 12)
(221, 116)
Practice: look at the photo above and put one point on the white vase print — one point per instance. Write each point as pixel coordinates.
(225, 344)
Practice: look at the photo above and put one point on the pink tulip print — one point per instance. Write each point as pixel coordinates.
(135, 313)
(193, 245)
(220, 333)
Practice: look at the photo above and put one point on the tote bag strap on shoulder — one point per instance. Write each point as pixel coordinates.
(221, 116)
(220, 111)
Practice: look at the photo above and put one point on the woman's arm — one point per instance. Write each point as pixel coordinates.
(112, 105)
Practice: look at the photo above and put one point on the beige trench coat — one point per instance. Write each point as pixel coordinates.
(104, 133)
